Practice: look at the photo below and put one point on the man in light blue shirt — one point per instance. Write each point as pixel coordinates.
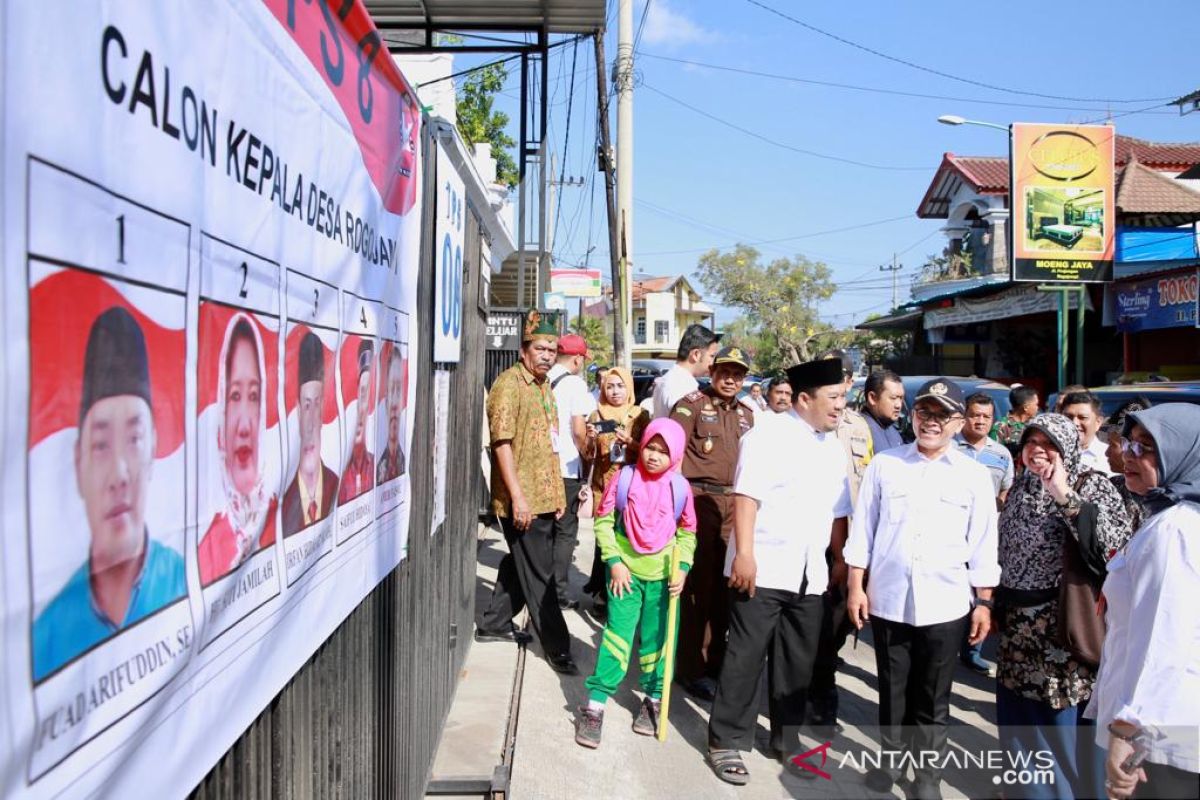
(127, 575)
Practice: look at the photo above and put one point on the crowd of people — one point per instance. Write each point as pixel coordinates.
(794, 520)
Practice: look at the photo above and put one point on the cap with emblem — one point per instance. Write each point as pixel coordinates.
(945, 391)
(732, 355)
(572, 345)
(812, 374)
(540, 324)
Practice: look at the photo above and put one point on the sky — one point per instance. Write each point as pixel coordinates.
(834, 173)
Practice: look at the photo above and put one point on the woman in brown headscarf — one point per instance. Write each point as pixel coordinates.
(609, 450)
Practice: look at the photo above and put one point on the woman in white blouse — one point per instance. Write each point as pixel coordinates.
(1147, 695)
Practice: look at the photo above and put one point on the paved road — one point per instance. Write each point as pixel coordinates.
(548, 764)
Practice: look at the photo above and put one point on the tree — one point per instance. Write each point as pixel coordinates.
(779, 299)
(598, 342)
(479, 123)
(879, 346)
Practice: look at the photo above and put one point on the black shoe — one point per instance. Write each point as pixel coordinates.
(791, 767)
(511, 635)
(588, 728)
(879, 780)
(563, 664)
(702, 689)
(646, 723)
(568, 605)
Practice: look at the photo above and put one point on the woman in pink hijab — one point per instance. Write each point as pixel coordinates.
(646, 510)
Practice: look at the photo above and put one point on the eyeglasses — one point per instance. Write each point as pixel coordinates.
(1132, 447)
(925, 415)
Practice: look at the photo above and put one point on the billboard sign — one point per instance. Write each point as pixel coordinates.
(1064, 216)
(575, 282)
(1166, 302)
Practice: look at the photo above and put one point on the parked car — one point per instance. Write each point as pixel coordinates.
(1113, 397)
(993, 389)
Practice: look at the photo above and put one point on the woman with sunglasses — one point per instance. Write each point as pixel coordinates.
(1147, 696)
(1042, 687)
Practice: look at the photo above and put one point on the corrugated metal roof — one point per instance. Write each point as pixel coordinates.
(558, 16)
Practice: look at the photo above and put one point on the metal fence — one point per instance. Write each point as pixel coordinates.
(362, 718)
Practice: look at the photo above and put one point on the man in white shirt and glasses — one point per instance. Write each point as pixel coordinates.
(925, 526)
(791, 500)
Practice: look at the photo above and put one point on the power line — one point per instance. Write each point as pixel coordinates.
(947, 75)
(879, 90)
(645, 13)
(779, 144)
(566, 137)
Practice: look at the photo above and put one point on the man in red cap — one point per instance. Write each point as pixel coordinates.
(575, 403)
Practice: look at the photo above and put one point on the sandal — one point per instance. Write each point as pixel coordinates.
(729, 767)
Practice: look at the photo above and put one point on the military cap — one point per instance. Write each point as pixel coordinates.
(732, 355)
(115, 361)
(945, 391)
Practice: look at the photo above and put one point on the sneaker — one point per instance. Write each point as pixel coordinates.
(976, 664)
(646, 723)
(588, 728)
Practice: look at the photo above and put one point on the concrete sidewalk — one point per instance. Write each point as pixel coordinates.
(548, 764)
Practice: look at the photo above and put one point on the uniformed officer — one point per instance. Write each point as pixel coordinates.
(714, 421)
(855, 436)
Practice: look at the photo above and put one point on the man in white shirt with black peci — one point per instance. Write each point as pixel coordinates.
(776, 564)
(925, 527)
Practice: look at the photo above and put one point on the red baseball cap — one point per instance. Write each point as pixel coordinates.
(572, 345)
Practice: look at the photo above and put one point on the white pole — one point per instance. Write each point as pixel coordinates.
(623, 78)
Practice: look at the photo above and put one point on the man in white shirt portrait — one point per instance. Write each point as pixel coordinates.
(697, 348)
(776, 564)
(574, 403)
(1083, 408)
(925, 526)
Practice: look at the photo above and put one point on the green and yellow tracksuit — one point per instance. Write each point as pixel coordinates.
(644, 606)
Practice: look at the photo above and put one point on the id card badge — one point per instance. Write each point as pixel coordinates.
(554, 439)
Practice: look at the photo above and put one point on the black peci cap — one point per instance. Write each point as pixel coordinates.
(365, 348)
(115, 361)
(811, 374)
(312, 359)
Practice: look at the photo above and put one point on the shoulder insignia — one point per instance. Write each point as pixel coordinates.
(684, 410)
(694, 395)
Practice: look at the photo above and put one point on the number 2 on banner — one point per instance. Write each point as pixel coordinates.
(245, 274)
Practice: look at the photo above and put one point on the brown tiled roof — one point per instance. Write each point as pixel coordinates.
(1141, 190)
(988, 174)
(1159, 155)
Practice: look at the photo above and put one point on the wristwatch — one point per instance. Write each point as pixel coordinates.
(988, 604)
(1073, 502)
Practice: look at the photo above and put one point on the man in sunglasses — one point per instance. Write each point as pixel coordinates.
(925, 525)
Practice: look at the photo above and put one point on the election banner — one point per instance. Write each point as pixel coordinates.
(1063, 200)
(449, 235)
(211, 227)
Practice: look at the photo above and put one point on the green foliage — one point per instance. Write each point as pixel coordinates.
(779, 300)
(598, 342)
(479, 122)
(879, 346)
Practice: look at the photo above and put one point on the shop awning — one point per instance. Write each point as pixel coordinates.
(900, 320)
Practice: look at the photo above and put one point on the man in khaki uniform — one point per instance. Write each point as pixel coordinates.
(855, 436)
(714, 421)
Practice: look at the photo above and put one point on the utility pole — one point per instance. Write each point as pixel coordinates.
(623, 80)
(894, 269)
(610, 191)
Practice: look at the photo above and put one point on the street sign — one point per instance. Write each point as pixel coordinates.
(504, 330)
(575, 282)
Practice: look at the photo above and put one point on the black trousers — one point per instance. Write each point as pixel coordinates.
(835, 628)
(526, 578)
(704, 604)
(916, 664)
(566, 534)
(1167, 782)
(782, 627)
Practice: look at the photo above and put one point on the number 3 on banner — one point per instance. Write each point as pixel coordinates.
(451, 310)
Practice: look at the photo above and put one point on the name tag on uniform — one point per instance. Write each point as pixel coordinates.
(554, 439)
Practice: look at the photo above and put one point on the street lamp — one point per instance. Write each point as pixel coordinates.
(952, 119)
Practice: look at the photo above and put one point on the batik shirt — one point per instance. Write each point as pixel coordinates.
(521, 410)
